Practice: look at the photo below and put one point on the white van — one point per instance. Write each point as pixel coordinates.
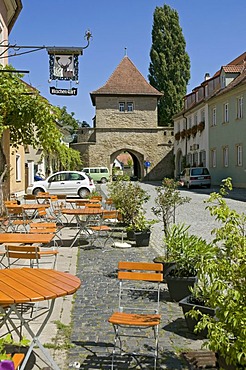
(98, 174)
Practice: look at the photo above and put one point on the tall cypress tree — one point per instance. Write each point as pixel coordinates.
(169, 70)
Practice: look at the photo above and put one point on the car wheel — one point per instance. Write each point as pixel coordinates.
(208, 186)
(103, 180)
(37, 190)
(83, 192)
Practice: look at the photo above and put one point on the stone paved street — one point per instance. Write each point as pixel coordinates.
(97, 298)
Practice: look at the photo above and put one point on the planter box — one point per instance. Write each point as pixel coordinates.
(178, 287)
(191, 322)
(130, 235)
(141, 238)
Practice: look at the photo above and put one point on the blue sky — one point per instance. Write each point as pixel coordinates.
(214, 31)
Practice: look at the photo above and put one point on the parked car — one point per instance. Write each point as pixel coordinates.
(195, 176)
(98, 174)
(72, 183)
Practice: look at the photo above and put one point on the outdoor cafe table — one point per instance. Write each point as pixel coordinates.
(82, 224)
(27, 285)
(81, 201)
(26, 208)
(25, 238)
(34, 207)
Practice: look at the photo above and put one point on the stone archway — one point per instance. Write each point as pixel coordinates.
(138, 161)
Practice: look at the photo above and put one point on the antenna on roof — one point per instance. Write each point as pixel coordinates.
(125, 52)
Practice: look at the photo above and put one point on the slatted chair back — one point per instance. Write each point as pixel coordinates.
(97, 197)
(30, 197)
(138, 304)
(42, 213)
(45, 228)
(42, 228)
(16, 254)
(15, 217)
(93, 205)
(20, 255)
(110, 215)
(109, 204)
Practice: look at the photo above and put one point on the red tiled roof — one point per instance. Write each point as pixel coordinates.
(126, 80)
(230, 68)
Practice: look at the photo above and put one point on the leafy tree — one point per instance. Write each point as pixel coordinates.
(169, 70)
(31, 120)
(67, 119)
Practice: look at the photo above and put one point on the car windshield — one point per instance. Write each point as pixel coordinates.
(199, 171)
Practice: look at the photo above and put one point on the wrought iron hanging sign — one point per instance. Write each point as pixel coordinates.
(64, 64)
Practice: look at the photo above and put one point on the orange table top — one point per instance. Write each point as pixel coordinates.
(34, 206)
(25, 238)
(82, 201)
(82, 211)
(34, 285)
(28, 206)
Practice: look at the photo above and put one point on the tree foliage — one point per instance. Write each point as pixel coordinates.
(67, 119)
(31, 120)
(169, 70)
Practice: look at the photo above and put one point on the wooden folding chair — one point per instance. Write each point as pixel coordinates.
(15, 217)
(139, 296)
(106, 227)
(21, 255)
(46, 228)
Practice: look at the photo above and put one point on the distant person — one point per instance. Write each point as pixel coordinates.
(39, 176)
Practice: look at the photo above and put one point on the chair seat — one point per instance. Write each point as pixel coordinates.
(100, 228)
(124, 318)
(47, 253)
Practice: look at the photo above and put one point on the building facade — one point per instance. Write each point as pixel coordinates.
(210, 131)
(15, 159)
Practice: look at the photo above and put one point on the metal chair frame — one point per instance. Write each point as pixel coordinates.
(137, 281)
(15, 255)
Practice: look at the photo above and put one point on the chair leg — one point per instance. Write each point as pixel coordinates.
(117, 338)
(156, 336)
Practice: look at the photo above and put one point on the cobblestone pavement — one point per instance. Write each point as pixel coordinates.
(97, 299)
(92, 335)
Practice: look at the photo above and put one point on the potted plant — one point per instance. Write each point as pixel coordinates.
(226, 274)
(186, 250)
(139, 229)
(166, 202)
(128, 198)
(197, 303)
(6, 348)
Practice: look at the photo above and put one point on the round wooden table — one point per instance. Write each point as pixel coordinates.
(33, 285)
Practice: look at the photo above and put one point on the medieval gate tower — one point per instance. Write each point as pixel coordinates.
(126, 121)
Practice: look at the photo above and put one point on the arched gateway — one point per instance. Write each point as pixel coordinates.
(126, 120)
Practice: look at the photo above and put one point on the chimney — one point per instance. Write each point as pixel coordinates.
(207, 76)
